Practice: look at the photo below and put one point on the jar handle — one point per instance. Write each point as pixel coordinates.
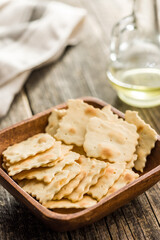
(127, 24)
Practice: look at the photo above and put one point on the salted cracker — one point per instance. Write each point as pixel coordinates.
(45, 192)
(85, 202)
(111, 174)
(30, 147)
(46, 174)
(109, 113)
(69, 188)
(72, 127)
(131, 163)
(40, 159)
(65, 149)
(94, 169)
(53, 121)
(146, 141)
(111, 140)
(4, 166)
(127, 177)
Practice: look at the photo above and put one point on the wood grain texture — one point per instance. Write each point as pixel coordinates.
(79, 72)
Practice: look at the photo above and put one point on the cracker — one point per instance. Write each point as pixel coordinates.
(94, 169)
(45, 192)
(130, 164)
(48, 173)
(36, 161)
(64, 150)
(127, 177)
(85, 202)
(52, 164)
(111, 174)
(72, 127)
(109, 113)
(69, 188)
(147, 138)
(30, 147)
(4, 166)
(114, 141)
(53, 121)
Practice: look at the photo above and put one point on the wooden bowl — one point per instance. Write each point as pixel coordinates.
(63, 220)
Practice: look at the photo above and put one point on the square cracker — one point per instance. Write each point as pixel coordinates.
(127, 177)
(45, 192)
(146, 141)
(30, 147)
(111, 140)
(69, 188)
(48, 173)
(72, 127)
(110, 114)
(4, 166)
(65, 149)
(85, 202)
(36, 161)
(111, 174)
(94, 169)
(130, 164)
(54, 120)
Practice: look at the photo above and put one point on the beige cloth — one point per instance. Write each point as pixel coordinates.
(32, 34)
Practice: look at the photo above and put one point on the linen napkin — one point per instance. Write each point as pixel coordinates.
(32, 34)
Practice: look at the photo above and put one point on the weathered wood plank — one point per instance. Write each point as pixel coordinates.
(19, 111)
(117, 225)
(153, 197)
(96, 231)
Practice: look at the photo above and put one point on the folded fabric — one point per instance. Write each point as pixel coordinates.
(32, 34)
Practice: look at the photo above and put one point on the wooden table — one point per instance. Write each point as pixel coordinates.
(81, 72)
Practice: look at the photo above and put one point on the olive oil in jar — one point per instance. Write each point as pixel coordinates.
(138, 87)
(134, 67)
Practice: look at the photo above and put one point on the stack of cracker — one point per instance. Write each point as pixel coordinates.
(85, 155)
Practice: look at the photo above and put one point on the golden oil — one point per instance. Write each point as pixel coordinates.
(138, 87)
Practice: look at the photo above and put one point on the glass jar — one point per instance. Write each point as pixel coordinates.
(134, 69)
